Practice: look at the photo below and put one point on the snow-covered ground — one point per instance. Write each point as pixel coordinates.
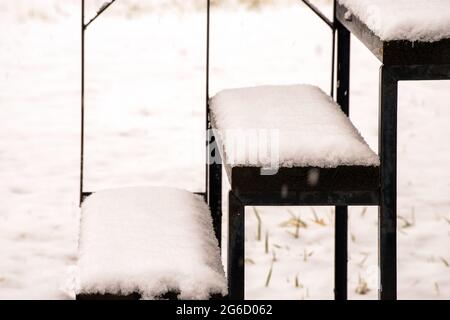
(145, 115)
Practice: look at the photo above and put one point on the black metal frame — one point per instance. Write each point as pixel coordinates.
(341, 216)
(212, 194)
(332, 25)
(213, 170)
(249, 188)
(339, 187)
(401, 61)
(342, 98)
(213, 175)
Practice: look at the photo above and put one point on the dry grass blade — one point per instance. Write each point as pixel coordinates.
(362, 288)
(298, 283)
(274, 256)
(306, 255)
(317, 220)
(266, 243)
(407, 223)
(437, 289)
(363, 212)
(250, 261)
(258, 218)
(269, 276)
(255, 4)
(364, 259)
(293, 215)
(297, 228)
(297, 223)
(444, 261)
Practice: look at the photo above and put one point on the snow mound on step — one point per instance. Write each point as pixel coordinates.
(151, 241)
(300, 125)
(413, 20)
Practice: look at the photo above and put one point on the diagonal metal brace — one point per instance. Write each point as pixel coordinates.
(333, 28)
(102, 9)
(84, 26)
(319, 14)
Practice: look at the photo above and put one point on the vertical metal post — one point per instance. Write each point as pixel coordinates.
(343, 68)
(341, 253)
(82, 105)
(236, 248)
(341, 212)
(332, 25)
(213, 161)
(333, 49)
(207, 124)
(388, 180)
(215, 190)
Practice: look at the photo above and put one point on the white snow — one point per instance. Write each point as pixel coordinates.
(413, 20)
(310, 127)
(145, 113)
(149, 240)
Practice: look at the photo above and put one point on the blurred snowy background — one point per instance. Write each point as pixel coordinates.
(145, 115)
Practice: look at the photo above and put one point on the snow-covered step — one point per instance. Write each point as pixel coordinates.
(412, 20)
(148, 242)
(300, 125)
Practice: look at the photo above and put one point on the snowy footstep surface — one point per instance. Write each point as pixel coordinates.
(294, 125)
(151, 241)
(413, 20)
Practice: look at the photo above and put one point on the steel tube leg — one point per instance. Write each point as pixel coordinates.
(215, 189)
(214, 184)
(341, 212)
(236, 247)
(343, 68)
(340, 253)
(388, 174)
(215, 198)
(82, 102)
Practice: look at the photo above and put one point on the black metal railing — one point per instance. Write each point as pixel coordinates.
(84, 27)
(332, 25)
